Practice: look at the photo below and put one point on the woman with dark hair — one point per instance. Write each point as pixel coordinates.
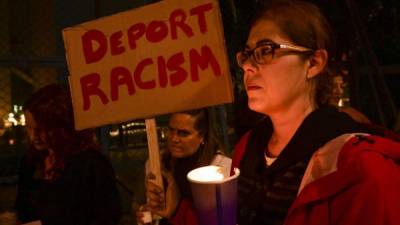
(191, 142)
(286, 65)
(64, 179)
(337, 99)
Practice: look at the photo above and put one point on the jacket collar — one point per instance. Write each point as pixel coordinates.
(318, 127)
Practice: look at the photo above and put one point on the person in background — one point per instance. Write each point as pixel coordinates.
(286, 63)
(191, 142)
(63, 178)
(337, 90)
(337, 98)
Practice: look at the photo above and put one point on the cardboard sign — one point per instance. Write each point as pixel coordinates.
(161, 58)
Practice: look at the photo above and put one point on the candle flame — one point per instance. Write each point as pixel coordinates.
(207, 174)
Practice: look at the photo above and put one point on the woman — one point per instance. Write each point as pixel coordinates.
(286, 76)
(191, 143)
(337, 96)
(64, 179)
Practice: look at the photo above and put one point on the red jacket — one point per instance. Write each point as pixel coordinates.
(364, 189)
(185, 214)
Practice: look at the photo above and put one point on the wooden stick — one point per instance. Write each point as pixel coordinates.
(154, 156)
(154, 152)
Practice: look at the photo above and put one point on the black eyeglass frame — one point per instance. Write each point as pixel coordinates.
(274, 46)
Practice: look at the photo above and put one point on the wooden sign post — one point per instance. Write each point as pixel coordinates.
(154, 152)
(154, 155)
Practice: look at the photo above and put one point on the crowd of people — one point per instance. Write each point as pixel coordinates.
(309, 160)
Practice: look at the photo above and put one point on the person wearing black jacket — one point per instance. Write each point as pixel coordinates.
(63, 178)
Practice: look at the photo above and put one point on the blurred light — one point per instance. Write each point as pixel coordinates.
(340, 103)
(12, 119)
(22, 120)
(206, 174)
(7, 124)
(114, 133)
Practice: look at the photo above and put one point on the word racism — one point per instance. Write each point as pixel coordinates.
(170, 70)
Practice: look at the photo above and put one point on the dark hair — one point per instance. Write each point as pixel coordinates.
(205, 125)
(51, 107)
(304, 24)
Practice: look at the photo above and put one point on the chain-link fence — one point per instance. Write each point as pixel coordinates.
(32, 53)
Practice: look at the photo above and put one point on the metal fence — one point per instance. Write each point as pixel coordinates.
(32, 52)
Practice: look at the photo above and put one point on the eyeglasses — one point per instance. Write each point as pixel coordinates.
(264, 53)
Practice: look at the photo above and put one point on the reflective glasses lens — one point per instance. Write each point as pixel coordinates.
(263, 54)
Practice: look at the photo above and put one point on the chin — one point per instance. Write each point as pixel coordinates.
(178, 155)
(40, 147)
(256, 108)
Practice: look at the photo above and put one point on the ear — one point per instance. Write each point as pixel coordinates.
(317, 63)
(202, 141)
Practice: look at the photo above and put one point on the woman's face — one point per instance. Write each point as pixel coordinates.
(183, 139)
(280, 84)
(36, 135)
(338, 89)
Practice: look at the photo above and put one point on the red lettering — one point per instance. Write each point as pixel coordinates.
(115, 43)
(92, 55)
(118, 77)
(162, 71)
(134, 33)
(201, 18)
(138, 72)
(156, 31)
(207, 57)
(177, 19)
(174, 64)
(90, 86)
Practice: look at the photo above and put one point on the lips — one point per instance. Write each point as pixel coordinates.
(253, 87)
(175, 149)
(37, 142)
(39, 145)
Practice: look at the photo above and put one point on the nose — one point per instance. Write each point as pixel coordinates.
(174, 137)
(249, 69)
(249, 66)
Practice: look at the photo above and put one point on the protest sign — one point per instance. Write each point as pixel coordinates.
(161, 58)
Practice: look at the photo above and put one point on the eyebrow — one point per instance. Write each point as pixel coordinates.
(179, 130)
(261, 42)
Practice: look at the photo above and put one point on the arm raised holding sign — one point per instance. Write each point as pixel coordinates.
(191, 143)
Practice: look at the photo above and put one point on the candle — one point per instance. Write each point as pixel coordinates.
(207, 174)
(214, 195)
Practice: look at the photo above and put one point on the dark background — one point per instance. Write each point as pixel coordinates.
(32, 55)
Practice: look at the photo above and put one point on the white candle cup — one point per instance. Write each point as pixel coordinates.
(215, 196)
